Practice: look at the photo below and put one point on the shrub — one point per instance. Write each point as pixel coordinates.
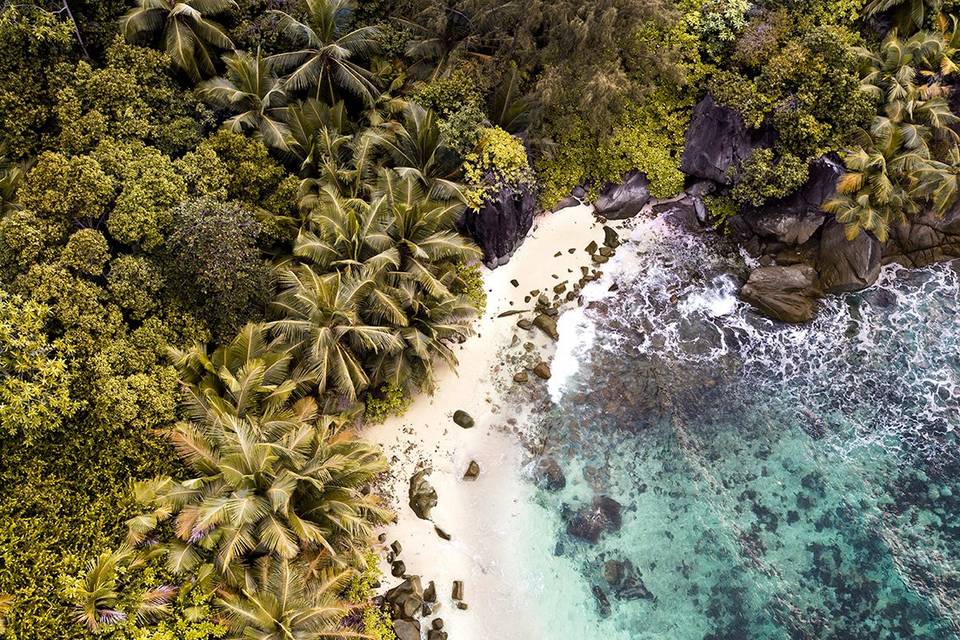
(212, 263)
(499, 161)
(87, 252)
(389, 400)
(765, 177)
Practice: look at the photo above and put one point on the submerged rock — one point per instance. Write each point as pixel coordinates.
(625, 581)
(591, 521)
(788, 294)
(548, 475)
(423, 497)
(624, 200)
(603, 604)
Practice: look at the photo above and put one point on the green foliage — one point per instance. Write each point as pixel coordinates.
(500, 160)
(212, 262)
(32, 44)
(377, 623)
(471, 286)
(764, 177)
(717, 23)
(34, 380)
(87, 252)
(458, 103)
(389, 400)
(648, 137)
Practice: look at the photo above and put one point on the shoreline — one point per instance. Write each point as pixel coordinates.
(480, 514)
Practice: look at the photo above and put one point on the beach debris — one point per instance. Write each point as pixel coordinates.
(548, 475)
(548, 325)
(423, 497)
(521, 377)
(463, 419)
(398, 569)
(441, 533)
(560, 288)
(515, 283)
(512, 312)
(525, 324)
(473, 471)
(406, 629)
(462, 606)
(593, 520)
(457, 591)
(542, 371)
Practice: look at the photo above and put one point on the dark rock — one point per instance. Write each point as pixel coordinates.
(625, 581)
(457, 592)
(521, 377)
(436, 634)
(610, 237)
(463, 419)
(398, 569)
(525, 324)
(406, 629)
(423, 497)
(437, 623)
(547, 324)
(592, 247)
(406, 598)
(462, 606)
(473, 471)
(925, 239)
(542, 371)
(788, 294)
(395, 547)
(441, 533)
(718, 141)
(430, 593)
(603, 604)
(548, 475)
(682, 213)
(624, 200)
(501, 224)
(592, 521)
(846, 265)
(569, 201)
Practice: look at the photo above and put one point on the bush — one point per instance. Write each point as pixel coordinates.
(389, 400)
(213, 265)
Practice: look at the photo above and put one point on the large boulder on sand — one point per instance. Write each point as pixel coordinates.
(847, 265)
(423, 497)
(788, 294)
(718, 142)
(595, 519)
(501, 224)
(624, 200)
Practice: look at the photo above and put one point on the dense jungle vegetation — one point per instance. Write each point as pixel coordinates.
(229, 238)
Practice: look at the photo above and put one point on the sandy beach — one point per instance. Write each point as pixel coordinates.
(480, 514)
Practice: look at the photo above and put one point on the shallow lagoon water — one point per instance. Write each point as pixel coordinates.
(776, 481)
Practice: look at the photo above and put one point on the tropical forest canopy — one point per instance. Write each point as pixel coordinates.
(229, 238)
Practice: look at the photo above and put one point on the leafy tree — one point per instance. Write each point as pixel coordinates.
(189, 35)
(326, 62)
(212, 261)
(255, 97)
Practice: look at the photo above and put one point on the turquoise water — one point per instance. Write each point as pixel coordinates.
(776, 482)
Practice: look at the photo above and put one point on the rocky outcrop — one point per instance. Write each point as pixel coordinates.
(847, 265)
(718, 141)
(625, 580)
(548, 475)
(623, 200)
(924, 240)
(788, 294)
(501, 224)
(595, 519)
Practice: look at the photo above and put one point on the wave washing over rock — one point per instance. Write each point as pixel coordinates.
(773, 481)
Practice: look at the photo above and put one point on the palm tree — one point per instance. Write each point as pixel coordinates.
(188, 33)
(11, 177)
(254, 95)
(909, 15)
(876, 188)
(270, 480)
(321, 314)
(325, 63)
(418, 149)
(285, 605)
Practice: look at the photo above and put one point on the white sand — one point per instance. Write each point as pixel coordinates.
(480, 515)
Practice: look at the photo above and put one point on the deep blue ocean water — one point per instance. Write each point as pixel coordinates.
(776, 481)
